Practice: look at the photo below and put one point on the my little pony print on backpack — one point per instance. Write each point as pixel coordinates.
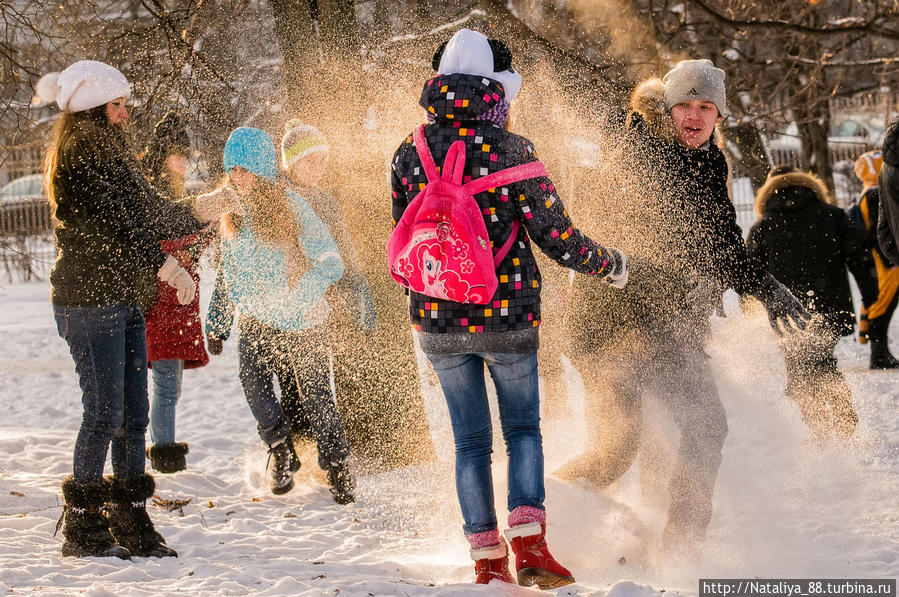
(440, 246)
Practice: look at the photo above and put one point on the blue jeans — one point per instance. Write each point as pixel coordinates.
(515, 377)
(264, 351)
(166, 391)
(109, 347)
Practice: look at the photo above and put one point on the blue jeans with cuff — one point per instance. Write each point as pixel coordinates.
(515, 377)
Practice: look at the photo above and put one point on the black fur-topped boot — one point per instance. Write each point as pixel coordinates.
(84, 527)
(128, 519)
(881, 358)
(168, 458)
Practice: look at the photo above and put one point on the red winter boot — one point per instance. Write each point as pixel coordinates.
(492, 563)
(533, 561)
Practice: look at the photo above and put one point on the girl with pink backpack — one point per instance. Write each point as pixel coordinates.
(475, 288)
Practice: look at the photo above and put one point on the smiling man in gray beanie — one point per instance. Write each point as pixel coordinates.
(695, 80)
(694, 97)
(649, 339)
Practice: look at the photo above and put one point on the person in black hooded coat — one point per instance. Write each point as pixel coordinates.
(807, 243)
(888, 210)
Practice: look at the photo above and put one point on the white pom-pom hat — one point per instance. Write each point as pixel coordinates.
(83, 85)
(300, 140)
(469, 52)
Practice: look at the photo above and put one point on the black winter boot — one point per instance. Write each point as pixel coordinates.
(84, 527)
(881, 358)
(128, 519)
(283, 463)
(341, 482)
(168, 458)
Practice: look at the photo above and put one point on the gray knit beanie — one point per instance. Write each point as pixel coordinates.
(695, 80)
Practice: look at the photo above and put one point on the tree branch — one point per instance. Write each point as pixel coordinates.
(870, 27)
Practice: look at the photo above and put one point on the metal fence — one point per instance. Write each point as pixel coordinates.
(26, 217)
(26, 242)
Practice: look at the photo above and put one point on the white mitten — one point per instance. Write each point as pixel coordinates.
(213, 205)
(618, 276)
(178, 278)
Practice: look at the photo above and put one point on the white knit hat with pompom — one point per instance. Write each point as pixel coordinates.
(83, 85)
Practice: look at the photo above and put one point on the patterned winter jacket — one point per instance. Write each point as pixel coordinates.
(509, 322)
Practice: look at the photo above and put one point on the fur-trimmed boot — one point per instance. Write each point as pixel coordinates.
(168, 458)
(492, 563)
(84, 527)
(128, 519)
(533, 562)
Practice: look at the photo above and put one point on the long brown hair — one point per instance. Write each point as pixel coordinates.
(63, 129)
(274, 223)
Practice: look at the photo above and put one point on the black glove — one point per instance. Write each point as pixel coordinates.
(782, 306)
(215, 344)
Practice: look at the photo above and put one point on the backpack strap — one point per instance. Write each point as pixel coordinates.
(424, 154)
(501, 178)
(507, 176)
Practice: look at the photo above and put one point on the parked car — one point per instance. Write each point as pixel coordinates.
(23, 206)
(24, 188)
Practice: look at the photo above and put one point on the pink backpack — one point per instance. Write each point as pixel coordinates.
(440, 246)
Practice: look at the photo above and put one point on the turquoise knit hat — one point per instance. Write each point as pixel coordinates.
(253, 150)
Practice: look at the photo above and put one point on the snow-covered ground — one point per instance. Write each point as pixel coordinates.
(785, 506)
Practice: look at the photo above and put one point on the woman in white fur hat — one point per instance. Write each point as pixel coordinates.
(110, 224)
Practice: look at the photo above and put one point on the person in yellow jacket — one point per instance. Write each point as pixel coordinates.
(874, 322)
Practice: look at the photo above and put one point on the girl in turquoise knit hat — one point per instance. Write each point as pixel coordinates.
(277, 262)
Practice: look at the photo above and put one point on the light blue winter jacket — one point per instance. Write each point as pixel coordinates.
(254, 277)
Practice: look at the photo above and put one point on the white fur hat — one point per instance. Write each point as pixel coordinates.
(83, 85)
(695, 80)
(469, 52)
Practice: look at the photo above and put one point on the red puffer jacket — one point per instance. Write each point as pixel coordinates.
(174, 331)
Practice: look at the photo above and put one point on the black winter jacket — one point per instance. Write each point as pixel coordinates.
(682, 235)
(888, 214)
(111, 222)
(509, 322)
(807, 244)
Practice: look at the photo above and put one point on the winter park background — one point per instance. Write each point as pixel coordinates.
(785, 507)
(808, 82)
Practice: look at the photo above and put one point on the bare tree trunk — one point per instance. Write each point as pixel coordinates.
(338, 24)
(753, 159)
(297, 38)
(813, 140)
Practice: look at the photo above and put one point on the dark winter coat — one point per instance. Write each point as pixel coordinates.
(174, 331)
(888, 215)
(682, 236)
(807, 243)
(509, 322)
(111, 222)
